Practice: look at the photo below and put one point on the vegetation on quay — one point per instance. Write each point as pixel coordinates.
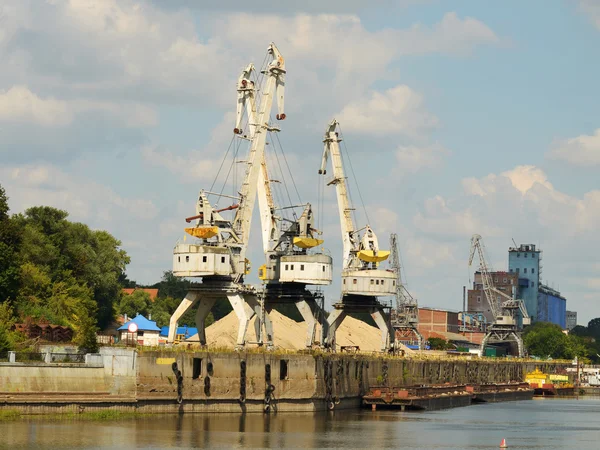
(99, 415)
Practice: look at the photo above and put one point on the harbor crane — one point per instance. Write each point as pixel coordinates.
(405, 318)
(219, 254)
(291, 261)
(363, 281)
(505, 309)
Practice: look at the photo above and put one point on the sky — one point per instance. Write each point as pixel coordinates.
(459, 117)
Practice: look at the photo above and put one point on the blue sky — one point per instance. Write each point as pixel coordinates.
(461, 117)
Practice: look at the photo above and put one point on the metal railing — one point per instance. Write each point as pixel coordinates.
(29, 357)
(67, 357)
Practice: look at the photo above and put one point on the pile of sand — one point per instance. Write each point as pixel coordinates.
(291, 335)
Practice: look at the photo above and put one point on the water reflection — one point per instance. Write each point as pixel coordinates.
(534, 424)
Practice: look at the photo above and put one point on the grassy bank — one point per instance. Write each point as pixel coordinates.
(107, 414)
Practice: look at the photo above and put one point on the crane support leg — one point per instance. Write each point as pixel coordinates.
(309, 311)
(262, 322)
(244, 313)
(204, 307)
(334, 321)
(382, 323)
(484, 342)
(189, 301)
(519, 342)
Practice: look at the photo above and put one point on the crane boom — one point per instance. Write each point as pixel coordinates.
(332, 149)
(501, 304)
(275, 73)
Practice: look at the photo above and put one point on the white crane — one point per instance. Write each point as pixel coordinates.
(362, 279)
(289, 266)
(220, 255)
(505, 309)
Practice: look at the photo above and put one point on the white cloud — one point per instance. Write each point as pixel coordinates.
(398, 110)
(522, 178)
(35, 184)
(522, 204)
(411, 158)
(592, 9)
(583, 150)
(19, 104)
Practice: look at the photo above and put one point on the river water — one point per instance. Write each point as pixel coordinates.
(536, 424)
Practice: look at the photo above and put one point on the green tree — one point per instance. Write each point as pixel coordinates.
(5, 344)
(9, 242)
(57, 247)
(439, 344)
(594, 328)
(579, 330)
(546, 339)
(136, 303)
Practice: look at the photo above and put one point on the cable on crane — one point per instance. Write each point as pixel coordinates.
(354, 175)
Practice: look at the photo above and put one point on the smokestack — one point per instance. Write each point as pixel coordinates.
(464, 319)
(149, 316)
(125, 317)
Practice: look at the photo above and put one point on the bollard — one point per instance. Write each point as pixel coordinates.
(12, 357)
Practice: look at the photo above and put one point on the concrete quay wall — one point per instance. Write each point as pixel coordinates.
(205, 381)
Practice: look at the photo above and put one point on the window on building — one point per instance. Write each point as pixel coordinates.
(204, 259)
(354, 281)
(393, 282)
(505, 280)
(179, 259)
(525, 270)
(524, 255)
(292, 267)
(377, 282)
(222, 260)
(287, 267)
(495, 280)
(510, 270)
(372, 281)
(382, 282)
(518, 255)
(517, 270)
(301, 266)
(323, 268)
(533, 255)
(532, 270)
(479, 299)
(187, 259)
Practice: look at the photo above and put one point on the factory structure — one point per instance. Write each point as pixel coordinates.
(522, 281)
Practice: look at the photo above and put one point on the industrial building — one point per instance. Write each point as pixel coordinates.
(525, 262)
(506, 282)
(571, 320)
(523, 281)
(542, 302)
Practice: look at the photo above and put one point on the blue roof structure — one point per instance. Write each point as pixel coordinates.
(185, 330)
(142, 323)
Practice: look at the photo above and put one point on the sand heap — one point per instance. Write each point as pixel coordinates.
(291, 335)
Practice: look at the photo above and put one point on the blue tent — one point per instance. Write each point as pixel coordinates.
(142, 323)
